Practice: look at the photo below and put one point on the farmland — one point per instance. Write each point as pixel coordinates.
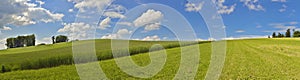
(245, 59)
(61, 54)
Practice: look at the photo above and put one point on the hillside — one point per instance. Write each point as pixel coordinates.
(61, 54)
(245, 59)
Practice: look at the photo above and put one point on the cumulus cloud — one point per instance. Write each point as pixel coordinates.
(150, 16)
(119, 35)
(113, 15)
(22, 12)
(253, 5)
(223, 9)
(46, 40)
(105, 23)
(193, 7)
(150, 20)
(2, 44)
(82, 5)
(115, 11)
(151, 38)
(154, 26)
(77, 30)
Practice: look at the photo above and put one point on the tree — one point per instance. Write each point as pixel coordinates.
(296, 34)
(10, 43)
(21, 41)
(274, 35)
(53, 39)
(280, 35)
(30, 40)
(288, 33)
(61, 38)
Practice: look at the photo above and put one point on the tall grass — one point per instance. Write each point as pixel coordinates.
(68, 59)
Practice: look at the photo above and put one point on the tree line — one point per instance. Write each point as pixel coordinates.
(59, 39)
(29, 40)
(287, 34)
(21, 41)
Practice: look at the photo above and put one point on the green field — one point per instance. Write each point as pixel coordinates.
(61, 54)
(245, 59)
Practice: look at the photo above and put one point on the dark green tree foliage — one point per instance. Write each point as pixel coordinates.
(280, 35)
(61, 38)
(296, 34)
(21, 41)
(30, 40)
(288, 33)
(274, 35)
(10, 42)
(53, 39)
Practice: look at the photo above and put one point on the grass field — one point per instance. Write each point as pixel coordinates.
(61, 54)
(245, 59)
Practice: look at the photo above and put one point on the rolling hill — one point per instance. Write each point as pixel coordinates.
(245, 59)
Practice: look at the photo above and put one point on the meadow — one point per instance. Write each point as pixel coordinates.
(245, 59)
(44, 56)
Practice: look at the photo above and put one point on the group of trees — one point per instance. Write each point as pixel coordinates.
(59, 39)
(21, 41)
(29, 40)
(287, 34)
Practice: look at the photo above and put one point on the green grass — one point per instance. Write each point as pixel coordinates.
(245, 59)
(61, 54)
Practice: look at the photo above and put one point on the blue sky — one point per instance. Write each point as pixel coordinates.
(242, 18)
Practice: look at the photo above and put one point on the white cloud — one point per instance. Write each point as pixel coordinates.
(125, 23)
(119, 35)
(154, 26)
(282, 27)
(116, 8)
(88, 4)
(113, 15)
(46, 40)
(150, 16)
(194, 7)
(6, 28)
(109, 36)
(150, 20)
(123, 32)
(22, 12)
(105, 23)
(253, 5)
(42, 14)
(223, 9)
(151, 38)
(239, 31)
(245, 37)
(278, 0)
(77, 30)
(2, 44)
(71, 10)
(283, 8)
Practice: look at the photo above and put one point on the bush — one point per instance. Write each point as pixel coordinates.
(41, 44)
